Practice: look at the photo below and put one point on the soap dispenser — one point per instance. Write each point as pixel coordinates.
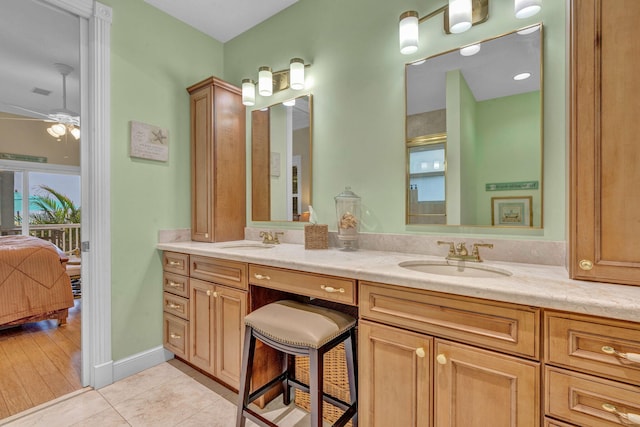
(348, 215)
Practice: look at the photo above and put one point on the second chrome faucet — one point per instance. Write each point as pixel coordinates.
(459, 252)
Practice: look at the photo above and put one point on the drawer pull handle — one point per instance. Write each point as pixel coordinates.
(331, 289)
(174, 306)
(261, 276)
(441, 359)
(175, 336)
(175, 285)
(631, 357)
(632, 418)
(420, 352)
(175, 263)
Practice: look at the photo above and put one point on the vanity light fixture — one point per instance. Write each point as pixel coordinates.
(459, 16)
(274, 81)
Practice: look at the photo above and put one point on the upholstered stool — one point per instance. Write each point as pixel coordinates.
(298, 329)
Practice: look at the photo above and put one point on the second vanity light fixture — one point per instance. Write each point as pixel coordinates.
(269, 81)
(459, 16)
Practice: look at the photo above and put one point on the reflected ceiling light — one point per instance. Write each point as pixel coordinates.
(248, 92)
(270, 81)
(60, 129)
(528, 30)
(470, 50)
(459, 16)
(522, 76)
(526, 8)
(420, 62)
(289, 102)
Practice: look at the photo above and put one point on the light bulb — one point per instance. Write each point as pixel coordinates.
(526, 8)
(460, 12)
(265, 81)
(59, 128)
(248, 92)
(409, 32)
(296, 74)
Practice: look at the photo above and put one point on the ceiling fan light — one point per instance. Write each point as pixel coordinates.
(59, 128)
(51, 132)
(75, 132)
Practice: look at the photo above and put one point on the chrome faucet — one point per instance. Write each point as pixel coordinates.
(459, 252)
(271, 238)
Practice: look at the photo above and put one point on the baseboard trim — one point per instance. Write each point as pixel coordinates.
(131, 365)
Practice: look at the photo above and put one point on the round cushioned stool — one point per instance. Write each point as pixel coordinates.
(298, 329)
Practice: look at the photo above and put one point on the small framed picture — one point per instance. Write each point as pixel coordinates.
(511, 211)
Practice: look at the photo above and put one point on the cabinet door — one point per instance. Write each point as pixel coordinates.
(479, 388)
(394, 377)
(231, 307)
(605, 177)
(202, 165)
(201, 325)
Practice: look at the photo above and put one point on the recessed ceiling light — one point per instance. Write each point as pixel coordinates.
(522, 76)
(470, 50)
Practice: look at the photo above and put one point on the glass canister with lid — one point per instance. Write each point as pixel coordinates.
(348, 215)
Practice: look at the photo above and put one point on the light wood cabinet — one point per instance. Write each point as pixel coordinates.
(204, 313)
(218, 202)
(591, 362)
(471, 386)
(605, 177)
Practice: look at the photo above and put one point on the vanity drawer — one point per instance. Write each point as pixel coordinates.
(577, 341)
(175, 335)
(175, 262)
(329, 288)
(506, 327)
(548, 422)
(222, 271)
(175, 284)
(578, 398)
(176, 305)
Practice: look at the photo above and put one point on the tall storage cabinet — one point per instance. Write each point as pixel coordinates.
(218, 171)
(605, 142)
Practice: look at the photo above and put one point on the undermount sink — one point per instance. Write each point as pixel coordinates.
(454, 268)
(247, 246)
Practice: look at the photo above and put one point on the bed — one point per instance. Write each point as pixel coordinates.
(34, 284)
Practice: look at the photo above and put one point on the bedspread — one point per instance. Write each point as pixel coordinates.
(33, 278)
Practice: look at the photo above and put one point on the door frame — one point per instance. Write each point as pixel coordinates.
(95, 165)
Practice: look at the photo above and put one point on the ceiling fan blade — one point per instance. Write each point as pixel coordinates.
(26, 118)
(33, 112)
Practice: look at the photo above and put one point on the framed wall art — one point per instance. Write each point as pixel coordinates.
(511, 211)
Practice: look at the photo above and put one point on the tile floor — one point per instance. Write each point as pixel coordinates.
(170, 394)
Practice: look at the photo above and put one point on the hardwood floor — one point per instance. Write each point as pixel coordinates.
(39, 362)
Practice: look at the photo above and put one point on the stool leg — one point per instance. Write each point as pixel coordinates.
(289, 368)
(352, 370)
(316, 384)
(245, 374)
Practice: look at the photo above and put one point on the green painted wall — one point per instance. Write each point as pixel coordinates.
(358, 89)
(153, 59)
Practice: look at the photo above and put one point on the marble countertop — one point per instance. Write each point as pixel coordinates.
(529, 284)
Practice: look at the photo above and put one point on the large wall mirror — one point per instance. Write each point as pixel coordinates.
(474, 134)
(281, 150)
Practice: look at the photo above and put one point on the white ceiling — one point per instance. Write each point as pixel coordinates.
(221, 19)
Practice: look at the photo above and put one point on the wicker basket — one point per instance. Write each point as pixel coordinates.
(336, 382)
(316, 236)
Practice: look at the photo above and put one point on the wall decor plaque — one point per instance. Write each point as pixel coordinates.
(149, 142)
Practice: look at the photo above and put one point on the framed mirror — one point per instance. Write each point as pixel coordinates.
(281, 151)
(474, 133)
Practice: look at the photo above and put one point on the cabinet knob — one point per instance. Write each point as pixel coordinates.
(175, 336)
(261, 276)
(331, 289)
(585, 264)
(420, 352)
(631, 357)
(441, 359)
(630, 417)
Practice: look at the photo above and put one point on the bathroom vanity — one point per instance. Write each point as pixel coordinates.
(433, 349)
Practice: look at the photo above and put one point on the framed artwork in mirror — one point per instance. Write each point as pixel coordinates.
(511, 211)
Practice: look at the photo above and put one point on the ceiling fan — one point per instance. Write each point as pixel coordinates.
(64, 119)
